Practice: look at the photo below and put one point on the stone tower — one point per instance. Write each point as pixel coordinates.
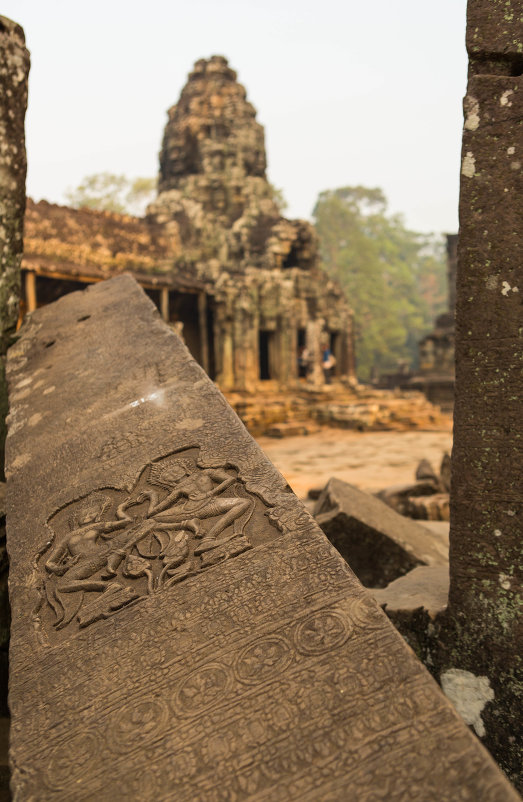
(212, 130)
(267, 295)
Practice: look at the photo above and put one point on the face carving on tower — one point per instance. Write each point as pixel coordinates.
(212, 129)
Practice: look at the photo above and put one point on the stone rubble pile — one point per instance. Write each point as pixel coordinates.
(340, 405)
(427, 498)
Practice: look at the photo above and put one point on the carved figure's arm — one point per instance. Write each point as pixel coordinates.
(55, 564)
(224, 480)
(190, 525)
(112, 527)
(106, 527)
(120, 512)
(156, 507)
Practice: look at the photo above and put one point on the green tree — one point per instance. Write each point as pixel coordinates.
(113, 193)
(394, 278)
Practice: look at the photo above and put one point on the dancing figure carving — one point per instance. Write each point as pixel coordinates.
(117, 550)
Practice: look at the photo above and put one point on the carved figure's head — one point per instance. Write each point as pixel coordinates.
(168, 475)
(91, 511)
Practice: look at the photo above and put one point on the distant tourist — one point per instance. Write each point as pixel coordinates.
(328, 360)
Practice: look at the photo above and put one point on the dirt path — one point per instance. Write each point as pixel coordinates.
(369, 460)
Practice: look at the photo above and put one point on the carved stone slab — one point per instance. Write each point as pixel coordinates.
(182, 630)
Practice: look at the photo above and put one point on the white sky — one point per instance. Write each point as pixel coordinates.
(350, 92)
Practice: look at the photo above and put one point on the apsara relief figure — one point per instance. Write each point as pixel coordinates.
(121, 547)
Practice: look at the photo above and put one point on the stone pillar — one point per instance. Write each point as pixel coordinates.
(30, 291)
(288, 349)
(14, 71)
(164, 304)
(349, 360)
(487, 462)
(313, 342)
(204, 336)
(226, 377)
(239, 360)
(253, 337)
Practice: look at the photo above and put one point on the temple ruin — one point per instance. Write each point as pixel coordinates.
(180, 627)
(241, 283)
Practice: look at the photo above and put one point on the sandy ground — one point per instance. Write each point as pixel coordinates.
(369, 460)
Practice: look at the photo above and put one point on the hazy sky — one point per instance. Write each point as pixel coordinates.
(350, 92)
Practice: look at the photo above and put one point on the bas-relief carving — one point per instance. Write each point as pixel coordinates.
(221, 708)
(115, 447)
(299, 711)
(112, 548)
(291, 710)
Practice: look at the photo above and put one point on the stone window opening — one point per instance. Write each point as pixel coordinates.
(266, 348)
(335, 349)
(302, 355)
(184, 309)
(292, 258)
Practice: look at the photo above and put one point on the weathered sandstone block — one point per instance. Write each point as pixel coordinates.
(182, 630)
(425, 587)
(378, 544)
(414, 603)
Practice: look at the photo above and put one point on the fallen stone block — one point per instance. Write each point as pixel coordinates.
(313, 493)
(445, 472)
(425, 587)
(378, 544)
(181, 628)
(426, 471)
(429, 508)
(292, 429)
(413, 603)
(397, 496)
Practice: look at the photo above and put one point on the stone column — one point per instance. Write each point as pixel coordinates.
(226, 378)
(289, 349)
(487, 462)
(254, 347)
(313, 342)
(30, 291)
(14, 70)
(204, 336)
(164, 304)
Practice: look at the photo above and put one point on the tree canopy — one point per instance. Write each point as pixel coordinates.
(395, 279)
(113, 193)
